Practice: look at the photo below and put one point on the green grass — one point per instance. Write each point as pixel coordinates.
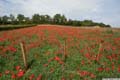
(11, 27)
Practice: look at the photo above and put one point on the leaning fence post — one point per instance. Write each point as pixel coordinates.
(24, 55)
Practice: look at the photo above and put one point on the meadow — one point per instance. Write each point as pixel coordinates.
(60, 53)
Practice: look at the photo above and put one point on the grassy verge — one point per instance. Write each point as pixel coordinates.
(11, 27)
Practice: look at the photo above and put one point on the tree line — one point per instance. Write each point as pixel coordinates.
(46, 19)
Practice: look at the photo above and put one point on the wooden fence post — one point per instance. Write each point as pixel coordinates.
(24, 55)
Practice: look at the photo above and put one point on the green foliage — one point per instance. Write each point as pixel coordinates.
(20, 18)
(87, 23)
(11, 27)
(12, 19)
(59, 19)
(5, 19)
(46, 19)
(36, 18)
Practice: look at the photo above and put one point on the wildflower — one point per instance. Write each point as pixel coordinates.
(107, 69)
(39, 77)
(87, 55)
(113, 67)
(12, 49)
(83, 73)
(13, 76)
(82, 62)
(57, 58)
(63, 78)
(113, 48)
(7, 72)
(98, 56)
(31, 77)
(100, 69)
(0, 74)
(20, 73)
(1, 39)
(119, 69)
(92, 75)
(109, 57)
(17, 67)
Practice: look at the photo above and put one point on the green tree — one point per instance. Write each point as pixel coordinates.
(0, 20)
(12, 19)
(69, 22)
(63, 19)
(5, 19)
(42, 19)
(36, 18)
(27, 20)
(87, 23)
(48, 19)
(20, 18)
(45, 18)
(107, 25)
(59, 19)
(76, 23)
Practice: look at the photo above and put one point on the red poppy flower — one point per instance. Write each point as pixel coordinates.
(57, 58)
(0, 74)
(92, 75)
(1, 39)
(107, 69)
(113, 67)
(31, 77)
(100, 69)
(13, 76)
(17, 67)
(87, 55)
(119, 69)
(63, 78)
(39, 77)
(113, 48)
(20, 73)
(82, 62)
(109, 57)
(98, 56)
(12, 49)
(7, 72)
(83, 73)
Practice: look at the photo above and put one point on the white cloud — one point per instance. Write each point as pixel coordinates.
(52, 6)
(75, 9)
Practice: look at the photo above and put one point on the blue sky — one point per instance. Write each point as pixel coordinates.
(107, 11)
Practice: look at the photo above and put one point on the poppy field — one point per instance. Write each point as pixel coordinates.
(60, 53)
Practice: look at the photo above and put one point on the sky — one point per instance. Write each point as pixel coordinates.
(106, 11)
